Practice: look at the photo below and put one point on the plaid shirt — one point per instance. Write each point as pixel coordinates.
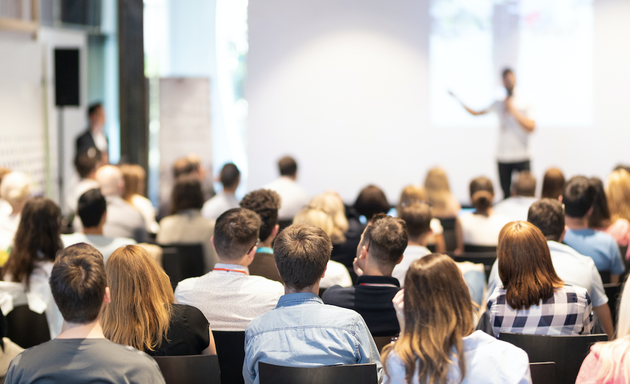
(567, 312)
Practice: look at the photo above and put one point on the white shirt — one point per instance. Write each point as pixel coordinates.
(411, 254)
(513, 144)
(147, 210)
(100, 140)
(514, 208)
(219, 203)
(336, 274)
(293, 197)
(9, 225)
(481, 229)
(105, 245)
(229, 297)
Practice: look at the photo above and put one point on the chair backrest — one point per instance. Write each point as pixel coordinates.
(605, 276)
(479, 248)
(27, 328)
(382, 341)
(567, 352)
(231, 352)
(613, 292)
(199, 369)
(450, 237)
(181, 261)
(485, 258)
(543, 373)
(346, 374)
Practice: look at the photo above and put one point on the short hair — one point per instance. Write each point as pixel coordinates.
(548, 216)
(302, 252)
(481, 192)
(525, 184)
(85, 162)
(417, 216)
(187, 194)
(15, 188)
(552, 185)
(93, 108)
(371, 201)
(266, 204)
(387, 238)
(235, 232)
(91, 208)
(287, 166)
(230, 175)
(78, 283)
(506, 71)
(183, 166)
(578, 196)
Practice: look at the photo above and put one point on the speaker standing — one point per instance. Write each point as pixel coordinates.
(94, 137)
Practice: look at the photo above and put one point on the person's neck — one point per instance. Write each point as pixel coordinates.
(419, 241)
(372, 268)
(243, 261)
(484, 212)
(229, 191)
(266, 244)
(312, 289)
(90, 330)
(93, 230)
(576, 223)
(292, 178)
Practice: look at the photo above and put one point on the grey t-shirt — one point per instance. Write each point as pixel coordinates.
(82, 361)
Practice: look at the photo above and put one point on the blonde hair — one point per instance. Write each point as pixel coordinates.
(438, 189)
(331, 203)
(133, 176)
(15, 188)
(141, 298)
(316, 217)
(618, 194)
(409, 194)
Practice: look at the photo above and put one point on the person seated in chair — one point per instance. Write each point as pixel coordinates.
(523, 196)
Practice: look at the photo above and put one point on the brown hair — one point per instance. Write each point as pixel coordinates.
(438, 314)
(187, 194)
(417, 215)
(183, 167)
(235, 232)
(371, 200)
(230, 175)
(481, 193)
(386, 238)
(525, 266)
(141, 298)
(553, 183)
(266, 204)
(411, 193)
(525, 184)
(600, 218)
(302, 252)
(618, 193)
(287, 166)
(134, 176)
(331, 203)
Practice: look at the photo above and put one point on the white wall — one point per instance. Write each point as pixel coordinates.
(343, 87)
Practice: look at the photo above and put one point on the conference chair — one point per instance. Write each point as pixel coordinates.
(346, 374)
(568, 352)
(181, 261)
(27, 328)
(382, 341)
(543, 373)
(605, 275)
(613, 292)
(231, 351)
(485, 258)
(468, 248)
(450, 237)
(199, 369)
(283, 223)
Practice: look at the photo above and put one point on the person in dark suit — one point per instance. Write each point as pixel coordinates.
(94, 138)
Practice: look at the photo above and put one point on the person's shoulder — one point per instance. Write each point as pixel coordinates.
(336, 293)
(491, 345)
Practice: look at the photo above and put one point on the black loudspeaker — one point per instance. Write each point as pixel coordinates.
(67, 77)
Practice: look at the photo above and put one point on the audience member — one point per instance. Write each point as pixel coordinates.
(134, 177)
(228, 296)
(302, 331)
(293, 196)
(86, 164)
(186, 224)
(8, 349)
(415, 193)
(15, 190)
(266, 204)
(601, 219)
(184, 166)
(92, 210)
(94, 137)
(142, 313)
(417, 217)
(5, 207)
(381, 248)
(532, 298)
(438, 342)
(81, 354)
(618, 196)
(553, 183)
(37, 242)
(445, 206)
(515, 207)
(482, 226)
(230, 178)
(578, 198)
(371, 201)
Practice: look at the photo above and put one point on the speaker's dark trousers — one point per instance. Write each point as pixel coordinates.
(505, 175)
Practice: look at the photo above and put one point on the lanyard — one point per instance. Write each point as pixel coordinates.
(379, 285)
(230, 270)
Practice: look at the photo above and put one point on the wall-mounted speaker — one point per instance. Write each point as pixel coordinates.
(67, 77)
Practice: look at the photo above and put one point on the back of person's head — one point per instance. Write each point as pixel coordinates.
(78, 283)
(525, 266)
(287, 166)
(302, 252)
(417, 216)
(15, 189)
(266, 204)
(371, 201)
(331, 203)
(141, 298)
(111, 180)
(86, 162)
(186, 194)
(37, 238)
(600, 217)
(91, 208)
(438, 315)
(386, 239)
(133, 176)
(618, 194)
(230, 176)
(182, 167)
(553, 182)
(411, 193)
(578, 196)
(236, 233)
(317, 217)
(438, 189)
(525, 184)
(622, 166)
(548, 216)
(481, 193)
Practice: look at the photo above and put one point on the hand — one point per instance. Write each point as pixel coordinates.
(399, 306)
(356, 267)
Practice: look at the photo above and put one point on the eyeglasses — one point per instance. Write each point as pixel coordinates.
(253, 246)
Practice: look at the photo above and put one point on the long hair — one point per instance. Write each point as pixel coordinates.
(553, 183)
(600, 218)
(331, 203)
(37, 239)
(134, 176)
(525, 266)
(316, 217)
(618, 193)
(438, 314)
(141, 299)
(438, 189)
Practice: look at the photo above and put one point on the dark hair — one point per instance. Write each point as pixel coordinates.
(506, 71)
(600, 218)
(417, 216)
(78, 283)
(230, 175)
(187, 194)
(622, 166)
(386, 238)
(302, 252)
(183, 167)
(371, 201)
(525, 184)
(578, 196)
(85, 164)
(266, 204)
(548, 216)
(38, 233)
(287, 166)
(235, 232)
(92, 205)
(94, 107)
(481, 193)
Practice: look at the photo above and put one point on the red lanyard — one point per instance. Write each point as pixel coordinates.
(230, 270)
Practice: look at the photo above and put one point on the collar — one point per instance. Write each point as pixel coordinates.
(293, 299)
(265, 250)
(231, 268)
(378, 281)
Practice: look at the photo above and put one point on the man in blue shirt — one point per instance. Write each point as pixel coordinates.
(303, 331)
(578, 197)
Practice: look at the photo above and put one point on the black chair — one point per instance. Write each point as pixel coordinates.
(231, 352)
(567, 352)
(605, 276)
(181, 261)
(283, 223)
(27, 328)
(613, 292)
(543, 373)
(450, 236)
(485, 258)
(199, 369)
(479, 248)
(346, 374)
(382, 341)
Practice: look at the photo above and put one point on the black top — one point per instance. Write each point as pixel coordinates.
(373, 302)
(345, 252)
(187, 333)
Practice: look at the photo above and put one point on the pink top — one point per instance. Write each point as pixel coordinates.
(620, 231)
(590, 370)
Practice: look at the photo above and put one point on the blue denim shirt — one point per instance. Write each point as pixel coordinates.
(304, 332)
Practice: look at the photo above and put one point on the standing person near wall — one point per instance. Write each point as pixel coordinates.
(94, 137)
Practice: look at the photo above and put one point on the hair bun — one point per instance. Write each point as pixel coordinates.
(482, 199)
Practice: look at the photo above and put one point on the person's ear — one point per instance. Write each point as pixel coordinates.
(212, 241)
(324, 274)
(107, 298)
(104, 217)
(560, 199)
(274, 231)
(364, 252)
(251, 253)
